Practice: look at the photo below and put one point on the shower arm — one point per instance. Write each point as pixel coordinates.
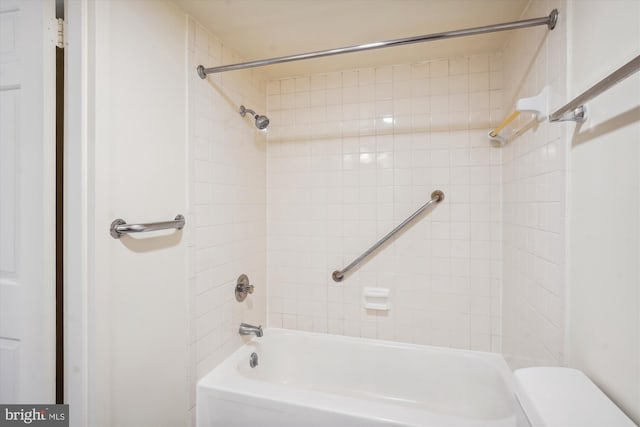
(244, 110)
(550, 21)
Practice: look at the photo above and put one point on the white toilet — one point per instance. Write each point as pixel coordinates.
(564, 397)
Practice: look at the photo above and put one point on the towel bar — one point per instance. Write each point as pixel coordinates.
(120, 226)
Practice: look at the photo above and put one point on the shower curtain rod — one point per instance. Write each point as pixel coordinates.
(550, 21)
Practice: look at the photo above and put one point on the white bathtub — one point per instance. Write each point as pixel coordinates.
(307, 379)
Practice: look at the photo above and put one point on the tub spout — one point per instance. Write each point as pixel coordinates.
(247, 329)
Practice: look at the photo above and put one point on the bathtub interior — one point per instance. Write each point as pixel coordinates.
(452, 383)
(441, 381)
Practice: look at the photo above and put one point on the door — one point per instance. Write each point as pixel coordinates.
(27, 201)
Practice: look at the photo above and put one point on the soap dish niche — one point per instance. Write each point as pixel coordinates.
(376, 298)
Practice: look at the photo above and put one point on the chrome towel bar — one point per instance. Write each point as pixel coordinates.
(436, 197)
(575, 110)
(120, 226)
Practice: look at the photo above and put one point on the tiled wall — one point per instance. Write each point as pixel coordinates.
(535, 197)
(351, 155)
(227, 195)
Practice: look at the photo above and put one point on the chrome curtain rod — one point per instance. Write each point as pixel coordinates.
(436, 197)
(550, 21)
(574, 110)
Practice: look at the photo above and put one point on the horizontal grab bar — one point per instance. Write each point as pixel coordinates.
(120, 226)
(436, 197)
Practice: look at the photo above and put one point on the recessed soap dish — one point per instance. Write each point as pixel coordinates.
(376, 298)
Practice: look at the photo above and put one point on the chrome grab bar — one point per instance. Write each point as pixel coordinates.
(120, 226)
(575, 110)
(436, 197)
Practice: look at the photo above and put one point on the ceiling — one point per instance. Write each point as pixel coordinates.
(259, 29)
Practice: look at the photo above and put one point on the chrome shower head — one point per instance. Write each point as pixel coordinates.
(261, 121)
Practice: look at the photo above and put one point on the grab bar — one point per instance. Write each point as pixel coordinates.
(120, 226)
(436, 197)
(575, 109)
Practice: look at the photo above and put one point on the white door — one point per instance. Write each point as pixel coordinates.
(27, 201)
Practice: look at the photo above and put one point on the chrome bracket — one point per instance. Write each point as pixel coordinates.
(243, 288)
(553, 19)
(113, 229)
(437, 195)
(579, 114)
(336, 276)
(201, 72)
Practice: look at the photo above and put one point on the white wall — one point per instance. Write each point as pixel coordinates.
(227, 200)
(604, 293)
(354, 153)
(138, 291)
(160, 308)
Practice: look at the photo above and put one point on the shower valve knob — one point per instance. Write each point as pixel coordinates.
(243, 288)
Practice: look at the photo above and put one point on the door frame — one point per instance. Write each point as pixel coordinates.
(78, 221)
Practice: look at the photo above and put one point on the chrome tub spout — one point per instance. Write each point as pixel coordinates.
(247, 329)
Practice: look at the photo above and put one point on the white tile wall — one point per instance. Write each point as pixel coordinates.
(353, 153)
(350, 155)
(227, 199)
(535, 199)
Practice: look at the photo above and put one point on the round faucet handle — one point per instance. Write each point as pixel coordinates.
(243, 288)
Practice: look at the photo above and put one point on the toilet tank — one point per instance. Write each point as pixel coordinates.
(564, 397)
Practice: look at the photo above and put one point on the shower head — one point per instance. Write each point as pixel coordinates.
(261, 121)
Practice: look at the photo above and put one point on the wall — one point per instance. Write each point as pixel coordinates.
(535, 198)
(162, 311)
(227, 203)
(137, 291)
(604, 297)
(351, 155)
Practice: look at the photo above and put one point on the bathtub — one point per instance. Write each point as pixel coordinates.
(308, 379)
